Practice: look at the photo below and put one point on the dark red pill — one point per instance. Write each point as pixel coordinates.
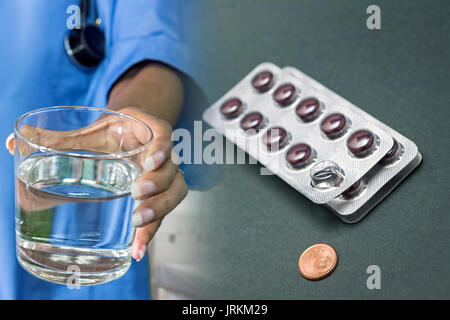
(392, 153)
(334, 125)
(299, 155)
(361, 142)
(308, 109)
(263, 81)
(353, 190)
(231, 108)
(285, 94)
(275, 138)
(252, 121)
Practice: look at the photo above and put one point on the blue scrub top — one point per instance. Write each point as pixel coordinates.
(36, 72)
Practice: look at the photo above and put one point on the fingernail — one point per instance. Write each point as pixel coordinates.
(141, 252)
(143, 188)
(10, 143)
(154, 161)
(133, 251)
(142, 217)
(137, 203)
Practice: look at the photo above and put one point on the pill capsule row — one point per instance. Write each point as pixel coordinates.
(333, 126)
(360, 143)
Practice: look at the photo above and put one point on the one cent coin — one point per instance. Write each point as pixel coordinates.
(318, 261)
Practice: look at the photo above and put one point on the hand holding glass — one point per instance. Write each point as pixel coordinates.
(74, 169)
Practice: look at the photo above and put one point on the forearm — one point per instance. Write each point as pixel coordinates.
(155, 88)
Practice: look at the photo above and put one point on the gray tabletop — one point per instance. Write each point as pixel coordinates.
(258, 226)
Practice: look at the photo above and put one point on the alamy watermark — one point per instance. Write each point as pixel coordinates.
(373, 22)
(73, 281)
(208, 147)
(374, 280)
(74, 19)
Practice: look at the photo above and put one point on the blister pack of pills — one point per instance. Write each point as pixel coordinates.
(322, 145)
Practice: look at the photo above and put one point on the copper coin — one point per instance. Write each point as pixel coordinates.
(318, 261)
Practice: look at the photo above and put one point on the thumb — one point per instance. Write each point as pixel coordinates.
(9, 143)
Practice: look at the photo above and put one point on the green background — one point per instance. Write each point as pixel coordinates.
(259, 226)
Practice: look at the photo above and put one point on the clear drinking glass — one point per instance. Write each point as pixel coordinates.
(74, 168)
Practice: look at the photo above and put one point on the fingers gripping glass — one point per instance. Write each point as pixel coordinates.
(74, 168)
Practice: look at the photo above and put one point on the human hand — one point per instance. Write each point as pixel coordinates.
(161, 188)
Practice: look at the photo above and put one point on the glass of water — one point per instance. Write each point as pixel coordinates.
(74, 168)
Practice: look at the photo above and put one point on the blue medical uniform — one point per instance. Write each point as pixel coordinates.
(36, 72)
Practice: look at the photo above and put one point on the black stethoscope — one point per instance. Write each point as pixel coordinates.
(86, 46)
